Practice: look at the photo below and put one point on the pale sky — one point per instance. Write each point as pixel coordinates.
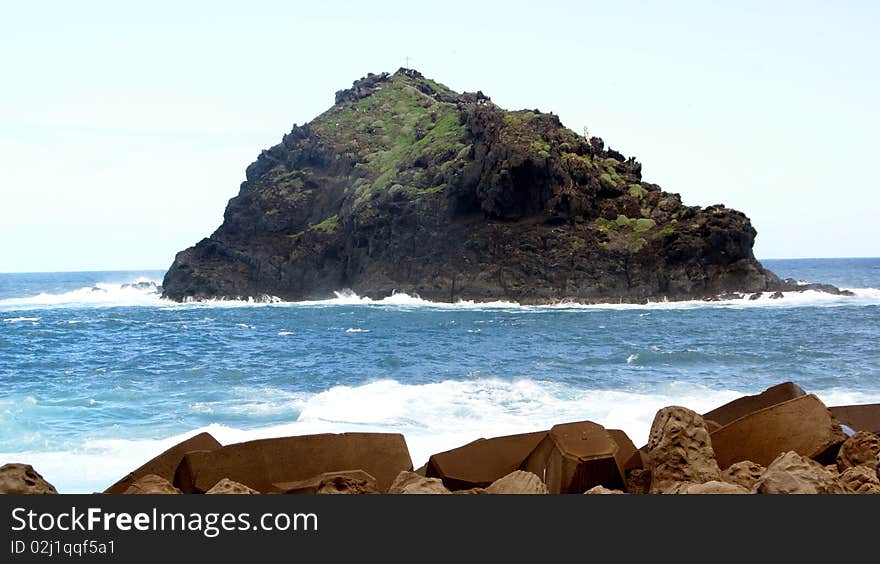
(126, 127)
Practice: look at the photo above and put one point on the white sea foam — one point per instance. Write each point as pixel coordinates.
(111, 294)
(399, 300)
(21, 319)
(102, 294)
(433, 417)
(356, 330)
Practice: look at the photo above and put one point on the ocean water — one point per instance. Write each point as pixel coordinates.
(97, 377)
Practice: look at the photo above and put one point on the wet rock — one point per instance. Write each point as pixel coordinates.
(412, 483)
(16, 478)
(745, 474)
(791, 473)
(861, 479)
(518, 482)
(151, 484)
(229, 487)
(481, 462)
(602, 490)
(679, 450)
(262, 463)
(166, 464)
(803, 425)
(861, 448)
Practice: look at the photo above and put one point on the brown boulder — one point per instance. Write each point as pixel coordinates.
(745, 474)
(862, 448)
(679, 450)
(638, 481)
(803, 425)
(481, 462)
(574, 457)
(313, 484)
(601, 490)
(518, 482)
(346, 485)
(230, 487)
(151, 484)
(730, 412)
(412, 483)
(861, 480)
(262, 463)
(166, 463)
(715, 487)
(791, 473)
(859, 417)
(18, 478)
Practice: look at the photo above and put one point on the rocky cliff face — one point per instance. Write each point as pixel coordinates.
(404, 185)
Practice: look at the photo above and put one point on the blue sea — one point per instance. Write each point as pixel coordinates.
(97, 376)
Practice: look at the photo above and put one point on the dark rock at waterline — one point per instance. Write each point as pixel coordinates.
(406, 185)
(145, 286)
(792, 285)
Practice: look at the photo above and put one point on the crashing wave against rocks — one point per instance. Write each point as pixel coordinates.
(782, 440)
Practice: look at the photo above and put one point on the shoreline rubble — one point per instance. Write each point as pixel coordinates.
(781, 441)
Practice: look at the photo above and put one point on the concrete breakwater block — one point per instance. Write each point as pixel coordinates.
(479, 463)
(166, 463)
(260, 464)
(574, 457)
(803, 425)
(859, 417)
(740, 407)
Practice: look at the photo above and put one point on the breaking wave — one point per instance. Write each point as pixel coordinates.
(147, 292)
(139, 292)
(433, 417)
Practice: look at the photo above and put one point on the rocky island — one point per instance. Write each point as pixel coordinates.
(407, 186)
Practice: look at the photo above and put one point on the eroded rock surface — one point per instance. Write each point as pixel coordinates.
(518, 482)
(745, 474)
(18, 478)
(792, 473)
(227, 486)
(679, 450)
(861, 448)
(151, 484)
(412, 483)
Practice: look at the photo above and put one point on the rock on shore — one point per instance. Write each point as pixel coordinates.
(809, 456)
